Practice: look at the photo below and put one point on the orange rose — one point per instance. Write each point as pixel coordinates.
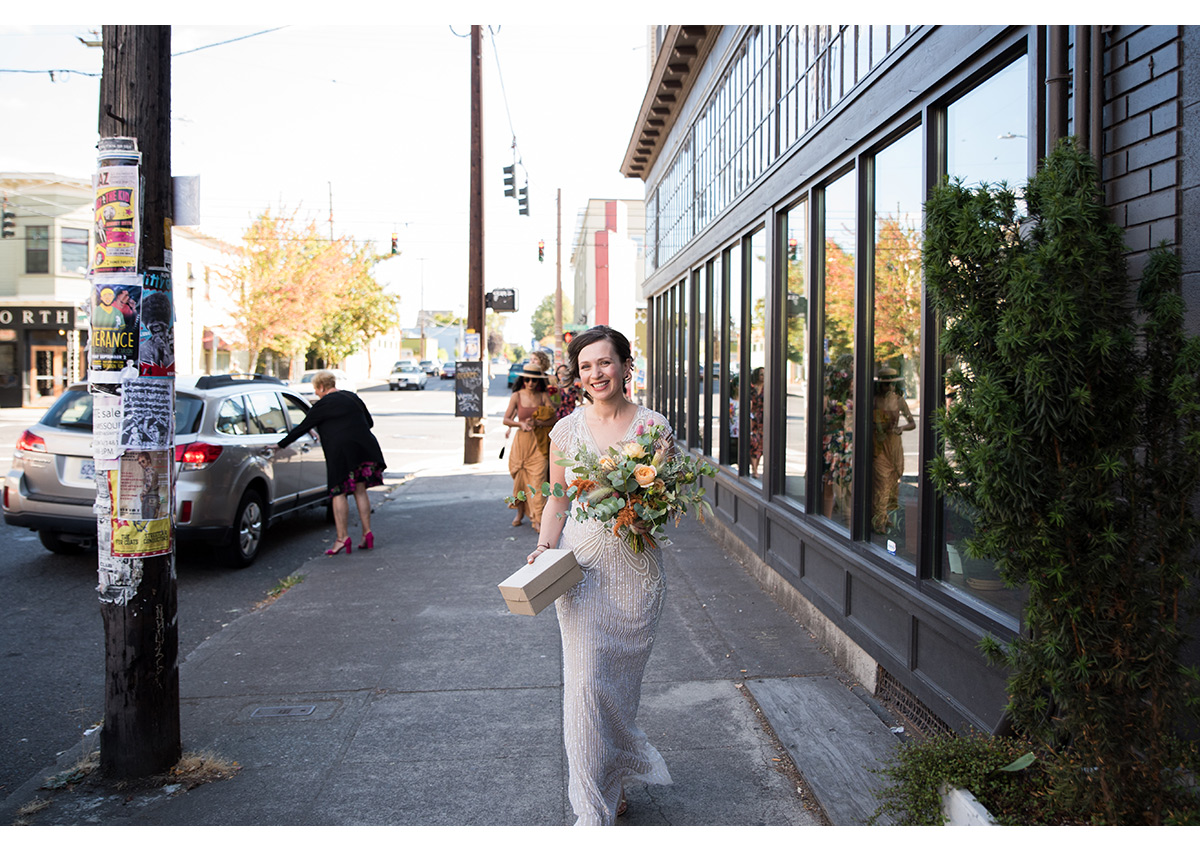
(645, 474)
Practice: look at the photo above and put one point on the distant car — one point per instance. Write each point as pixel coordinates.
(449, 369)
(304, 385)
(515, 370)
(432, 368)
(230, 485)
(407, 377)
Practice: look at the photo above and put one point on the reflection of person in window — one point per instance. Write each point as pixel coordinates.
(756, 419)
(888, 450)
(149, 494)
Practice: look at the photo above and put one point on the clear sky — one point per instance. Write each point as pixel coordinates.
(376, 115)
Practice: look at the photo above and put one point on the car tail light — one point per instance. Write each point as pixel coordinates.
(30, 442)
(6, 496)
(197, 456)
(185, 511)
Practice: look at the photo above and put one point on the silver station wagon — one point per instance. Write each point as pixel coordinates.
(229, 486)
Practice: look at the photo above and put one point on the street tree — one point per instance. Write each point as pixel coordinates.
(542, 321)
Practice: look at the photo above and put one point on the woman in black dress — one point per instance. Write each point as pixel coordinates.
(353, 459)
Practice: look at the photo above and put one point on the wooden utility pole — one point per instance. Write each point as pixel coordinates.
(474, 426)
(558, 329)
(141, 731)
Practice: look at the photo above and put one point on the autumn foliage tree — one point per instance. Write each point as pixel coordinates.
(293, 289)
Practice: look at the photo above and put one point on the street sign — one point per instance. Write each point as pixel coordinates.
(502, 300)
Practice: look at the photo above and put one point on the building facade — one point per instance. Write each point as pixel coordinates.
(608, 264)
(786, 170)
(43, 285)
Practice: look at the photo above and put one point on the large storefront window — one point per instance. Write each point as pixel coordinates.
(795, 378)
(987, 141)
(704, 353)
(712, 374)
(733, 350)
(837, 320)
(987, 130)
(896, 312)
(757, 367)
(684, 359)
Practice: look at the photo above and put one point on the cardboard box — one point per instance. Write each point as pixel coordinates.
(535, 586)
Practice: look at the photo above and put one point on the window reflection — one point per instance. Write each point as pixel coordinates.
(733, 336)
(712, 381)
(795, 379)
(837, 420)
(897, 340)
(986, 143)
(704, 354)
(758, 347)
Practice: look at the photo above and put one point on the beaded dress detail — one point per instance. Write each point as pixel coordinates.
(607, 623)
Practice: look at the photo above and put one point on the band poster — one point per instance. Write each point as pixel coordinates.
(156, 346)
(140, 491)
(117, 214)
(153, 401)
(115, 328)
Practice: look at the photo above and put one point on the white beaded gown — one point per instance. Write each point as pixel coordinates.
(607, 623)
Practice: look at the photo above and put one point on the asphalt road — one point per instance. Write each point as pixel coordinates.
(52, 664)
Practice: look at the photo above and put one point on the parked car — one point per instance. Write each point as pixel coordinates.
(515, 370)
(433, 368)
(449, 369)
(304, 385)
(407, 377)
(229, 486)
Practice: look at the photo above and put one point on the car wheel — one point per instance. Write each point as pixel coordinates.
(54, 542)
(248, 526)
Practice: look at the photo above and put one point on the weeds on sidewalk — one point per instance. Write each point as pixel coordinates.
(285, 584)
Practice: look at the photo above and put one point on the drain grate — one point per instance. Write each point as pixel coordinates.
(282, 711)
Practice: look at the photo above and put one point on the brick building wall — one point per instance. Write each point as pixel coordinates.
(1142, 136)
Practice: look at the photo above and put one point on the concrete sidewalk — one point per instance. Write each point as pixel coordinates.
(393, 687)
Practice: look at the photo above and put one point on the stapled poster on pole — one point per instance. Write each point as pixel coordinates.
(156, 339)
(148, 410)
(117, 184)
(115, 327)
(141, 502)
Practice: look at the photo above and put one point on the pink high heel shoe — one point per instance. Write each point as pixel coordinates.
(342, 545)
(368, 542)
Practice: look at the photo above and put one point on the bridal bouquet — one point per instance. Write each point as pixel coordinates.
(642, 482)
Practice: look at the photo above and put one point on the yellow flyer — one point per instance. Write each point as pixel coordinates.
(140, 491)
(116, 228)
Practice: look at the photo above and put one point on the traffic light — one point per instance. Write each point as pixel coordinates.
(510, 182)
(568, 336)
(541, 250)
(523, 201)
(10, 223)
(395, 244)
(793, 244)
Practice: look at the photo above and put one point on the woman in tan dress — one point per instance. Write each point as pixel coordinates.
(532, 414)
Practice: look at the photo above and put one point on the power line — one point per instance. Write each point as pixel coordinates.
(228, 41)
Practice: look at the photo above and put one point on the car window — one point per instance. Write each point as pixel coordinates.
(266, 414)
(187, 413)
(72, 410)
(231, 419)
(307, 378)
(296, 410)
